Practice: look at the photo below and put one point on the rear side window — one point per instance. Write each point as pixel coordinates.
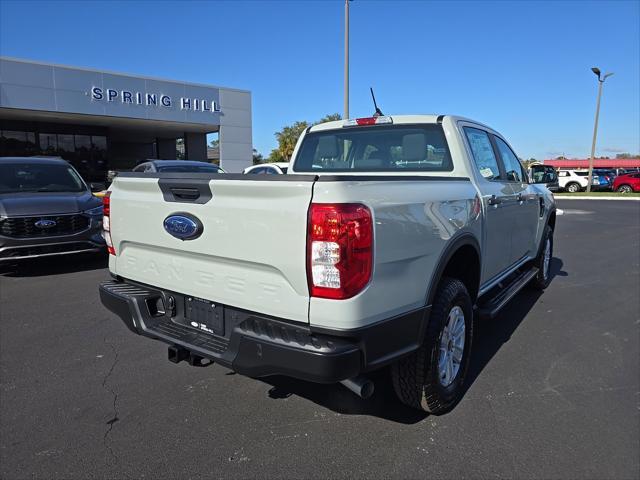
(512, 165)
(483, 154)
(409, 148)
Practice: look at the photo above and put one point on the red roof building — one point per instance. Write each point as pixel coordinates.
(580, 163)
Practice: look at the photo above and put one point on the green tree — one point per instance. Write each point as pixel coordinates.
(288, 137)
(214, 143)
(275, 156)
(257, 157)
(329, 118)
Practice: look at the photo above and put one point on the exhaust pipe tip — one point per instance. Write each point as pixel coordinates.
(361, 386)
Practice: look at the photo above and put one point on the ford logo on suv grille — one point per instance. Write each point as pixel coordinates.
(183, 226)
(45, 223)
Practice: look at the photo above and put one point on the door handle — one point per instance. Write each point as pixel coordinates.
(493, 200)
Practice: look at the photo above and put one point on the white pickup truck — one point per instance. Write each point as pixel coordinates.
(377, 248)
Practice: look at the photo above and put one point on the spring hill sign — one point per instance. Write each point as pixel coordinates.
(152, 100)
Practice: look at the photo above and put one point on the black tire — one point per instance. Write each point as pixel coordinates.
(543, 278)
(573, 187)
(625, 189)
(416, 378)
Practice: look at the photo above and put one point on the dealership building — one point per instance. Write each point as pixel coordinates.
(103, 121)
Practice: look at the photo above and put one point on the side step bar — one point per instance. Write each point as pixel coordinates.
(490, 307)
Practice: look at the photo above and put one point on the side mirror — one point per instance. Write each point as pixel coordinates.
(97, 186)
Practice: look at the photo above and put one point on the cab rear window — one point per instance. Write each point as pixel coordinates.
(409, 148)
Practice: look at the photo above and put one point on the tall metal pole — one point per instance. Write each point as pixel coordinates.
(346, 59)
(595, 133)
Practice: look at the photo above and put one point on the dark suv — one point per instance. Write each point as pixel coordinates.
(46, 209)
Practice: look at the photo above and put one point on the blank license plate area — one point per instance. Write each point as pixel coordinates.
(204, 315)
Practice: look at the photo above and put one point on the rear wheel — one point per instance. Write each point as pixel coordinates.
(573, 187)
(625, 189)
(432, 378)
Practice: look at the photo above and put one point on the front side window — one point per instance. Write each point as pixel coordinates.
(39, 177)
(512, 165)
(409, 148)
(483, 155)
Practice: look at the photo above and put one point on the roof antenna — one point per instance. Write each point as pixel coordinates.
(378, 111)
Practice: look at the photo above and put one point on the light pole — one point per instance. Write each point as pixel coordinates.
(601, 80)
(346, 58)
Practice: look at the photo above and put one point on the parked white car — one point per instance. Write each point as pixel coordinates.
(276, 168)
(576, 180)
(376, 249)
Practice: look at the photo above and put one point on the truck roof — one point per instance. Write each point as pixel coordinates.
(397, 120)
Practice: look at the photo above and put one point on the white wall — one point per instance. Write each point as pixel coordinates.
(236, 145)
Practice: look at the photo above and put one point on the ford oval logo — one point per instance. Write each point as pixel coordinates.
(45, 223)
(183, 226)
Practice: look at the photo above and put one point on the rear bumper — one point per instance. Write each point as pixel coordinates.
(257, 346)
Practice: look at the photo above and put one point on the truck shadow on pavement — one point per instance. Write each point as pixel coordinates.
(489, 337)
(41, 267)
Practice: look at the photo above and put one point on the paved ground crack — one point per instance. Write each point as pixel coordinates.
(108, 388)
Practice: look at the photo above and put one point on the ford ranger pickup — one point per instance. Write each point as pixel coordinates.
(380, 245)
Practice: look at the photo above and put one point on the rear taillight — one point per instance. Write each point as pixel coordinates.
(339, 249)
(106, 222)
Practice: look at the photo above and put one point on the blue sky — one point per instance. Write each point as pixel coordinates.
(521, 67)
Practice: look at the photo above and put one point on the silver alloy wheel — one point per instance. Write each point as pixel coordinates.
(573, 188)
(451, 346)
(546, 261)
(624, 189)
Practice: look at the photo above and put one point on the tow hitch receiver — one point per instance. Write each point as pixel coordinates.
(177, 354)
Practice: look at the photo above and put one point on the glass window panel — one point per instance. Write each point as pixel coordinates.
(99, 142)
(380, 148)
(65, 144)
(48, 143)
(483, 155)
(512, 165)
(83, 143)
(16, 143)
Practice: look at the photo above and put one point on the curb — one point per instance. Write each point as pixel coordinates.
(562, 197)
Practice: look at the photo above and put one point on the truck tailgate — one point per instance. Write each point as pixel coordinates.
(250, 255)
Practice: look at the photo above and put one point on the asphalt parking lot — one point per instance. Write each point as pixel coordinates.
(554, 386)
